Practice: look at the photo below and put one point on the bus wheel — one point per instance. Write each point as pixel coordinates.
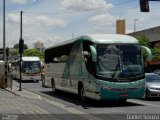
(81, 92)
(146, 95)
(53, 86)
(122, 100)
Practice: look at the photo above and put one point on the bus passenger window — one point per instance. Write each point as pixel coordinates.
(55, 60)
(63, 58)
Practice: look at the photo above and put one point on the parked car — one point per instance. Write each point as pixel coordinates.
(157, 71)
(152, 83)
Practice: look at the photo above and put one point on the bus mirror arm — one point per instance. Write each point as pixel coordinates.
(94, 53)
(149, 53)
(86, 53)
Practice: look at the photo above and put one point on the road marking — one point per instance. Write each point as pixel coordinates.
(72, 110)
(143, 103)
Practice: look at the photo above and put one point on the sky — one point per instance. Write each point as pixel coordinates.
(52, 21)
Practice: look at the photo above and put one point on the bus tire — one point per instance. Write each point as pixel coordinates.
(81, 92)
(123, 100)
(37, 81)
(146, 95)
(53, 85)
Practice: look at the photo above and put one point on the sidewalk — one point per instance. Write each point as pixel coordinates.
(22, 105)
(17, 102)
(17, 105)
(24, 93)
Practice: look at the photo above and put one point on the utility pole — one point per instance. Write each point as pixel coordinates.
(4, 85)
(135, 20)
(4, 32)
(21, 42)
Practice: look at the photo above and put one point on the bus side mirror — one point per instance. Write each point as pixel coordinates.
(86, 53)
(94, 53)
(149, 53)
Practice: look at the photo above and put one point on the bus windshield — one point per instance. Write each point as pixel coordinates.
(31, 67)
(119, 61)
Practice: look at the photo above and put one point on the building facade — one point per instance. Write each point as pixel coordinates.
(120, 27)
(39, 46)
(152, 33)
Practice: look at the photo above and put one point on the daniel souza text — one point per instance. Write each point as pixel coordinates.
(143, 117)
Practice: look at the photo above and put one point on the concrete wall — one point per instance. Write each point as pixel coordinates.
(153, 34)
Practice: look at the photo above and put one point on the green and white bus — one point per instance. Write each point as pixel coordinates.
(101, 67)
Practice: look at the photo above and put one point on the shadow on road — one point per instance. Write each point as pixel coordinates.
(152, 99)
(88, 102)
(26, 81)
(74, 99)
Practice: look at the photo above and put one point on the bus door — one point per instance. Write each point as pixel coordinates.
(75, 61)
(88, 72)
(88, 66)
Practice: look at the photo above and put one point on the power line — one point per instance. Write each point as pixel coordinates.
(31, 5)
(64, 12)
(68, 12)
(25, 9)
(127, 2)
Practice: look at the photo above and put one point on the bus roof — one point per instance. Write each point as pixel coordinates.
(30, 58)
(102, 39)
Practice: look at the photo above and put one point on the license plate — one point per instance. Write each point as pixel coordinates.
(124, 95)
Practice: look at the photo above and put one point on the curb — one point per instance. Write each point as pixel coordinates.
(24, 96)
(12, 92)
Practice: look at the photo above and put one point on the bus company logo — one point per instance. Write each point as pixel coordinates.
(105, 87)
(102, 86)
(99, 84)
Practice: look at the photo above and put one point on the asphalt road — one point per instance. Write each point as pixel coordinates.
(68, 104)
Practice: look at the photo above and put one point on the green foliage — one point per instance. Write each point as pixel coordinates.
(33, 52)
(144, 40)
(16, 46)
(12, 53)
(25, 46)
(156, 53)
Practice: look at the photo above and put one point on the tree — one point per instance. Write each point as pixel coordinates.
(156, 54)
(12, 53)
(144, 41)
(33, 52)
(16, 46)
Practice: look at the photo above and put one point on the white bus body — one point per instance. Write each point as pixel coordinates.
(31, 68)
